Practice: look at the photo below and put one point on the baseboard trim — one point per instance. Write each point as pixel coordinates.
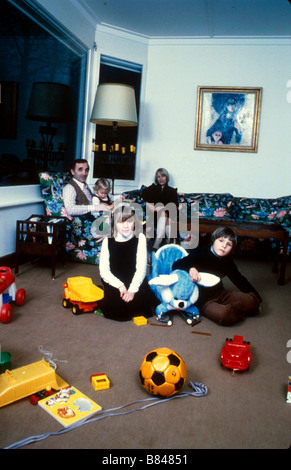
(9, 260)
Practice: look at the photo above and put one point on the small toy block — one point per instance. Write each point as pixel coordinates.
(140, 320)
(100, 381)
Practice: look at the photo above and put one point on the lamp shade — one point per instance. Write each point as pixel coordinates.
(114, 103)
(50, 102)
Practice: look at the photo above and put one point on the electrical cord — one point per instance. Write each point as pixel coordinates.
(200, 390)
(49, 355)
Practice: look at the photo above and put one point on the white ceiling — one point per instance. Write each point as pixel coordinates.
(193, 18)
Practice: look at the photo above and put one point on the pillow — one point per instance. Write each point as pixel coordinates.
(211, 206)
(254, 210)
(281, 210)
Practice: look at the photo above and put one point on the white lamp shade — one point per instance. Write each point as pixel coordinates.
(114, 103)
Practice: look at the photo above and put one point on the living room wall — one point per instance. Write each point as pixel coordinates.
(174, 73)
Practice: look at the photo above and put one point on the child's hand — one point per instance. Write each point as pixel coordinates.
(125, 294)
(122, 290)
(194, 274)
(128, 296)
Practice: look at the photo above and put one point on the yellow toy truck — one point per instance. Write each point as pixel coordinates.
(81, 295)
(22, 382)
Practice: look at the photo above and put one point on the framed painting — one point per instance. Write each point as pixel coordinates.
(227, 119)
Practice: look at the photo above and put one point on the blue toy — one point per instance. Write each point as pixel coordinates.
(175, 289)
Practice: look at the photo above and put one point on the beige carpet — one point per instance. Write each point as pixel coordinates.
(242, 411)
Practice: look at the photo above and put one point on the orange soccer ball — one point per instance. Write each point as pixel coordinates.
(163, 372)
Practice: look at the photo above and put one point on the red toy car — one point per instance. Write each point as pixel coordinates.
(34, 399)
(7, 281)
(236, 353)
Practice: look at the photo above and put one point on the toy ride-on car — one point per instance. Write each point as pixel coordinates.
(7, 281)
(81, 295)
(236, 354)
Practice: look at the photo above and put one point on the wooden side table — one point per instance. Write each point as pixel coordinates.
(41, 236)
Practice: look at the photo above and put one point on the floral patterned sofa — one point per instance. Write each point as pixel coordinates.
(236, 209)
(83, 243)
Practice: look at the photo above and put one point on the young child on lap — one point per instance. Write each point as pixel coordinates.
(101, 198)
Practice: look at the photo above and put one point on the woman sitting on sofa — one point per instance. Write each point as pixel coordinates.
(157, 196)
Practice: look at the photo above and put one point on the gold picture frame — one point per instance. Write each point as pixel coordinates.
(227, 119)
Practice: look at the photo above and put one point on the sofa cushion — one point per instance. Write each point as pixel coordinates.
(262, 210)
(211, 206)
(281, 210)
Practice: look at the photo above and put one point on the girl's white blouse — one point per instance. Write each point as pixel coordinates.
(140, 265)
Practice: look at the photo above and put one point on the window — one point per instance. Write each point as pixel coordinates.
(35, 48)
(110, 160)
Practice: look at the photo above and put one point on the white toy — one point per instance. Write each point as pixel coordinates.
(175, 289)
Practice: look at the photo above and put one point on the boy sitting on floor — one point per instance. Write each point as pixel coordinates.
(225, 307)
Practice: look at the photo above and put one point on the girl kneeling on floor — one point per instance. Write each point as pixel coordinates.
(123, 265)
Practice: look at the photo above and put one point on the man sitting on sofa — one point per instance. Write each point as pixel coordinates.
(77, 194)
